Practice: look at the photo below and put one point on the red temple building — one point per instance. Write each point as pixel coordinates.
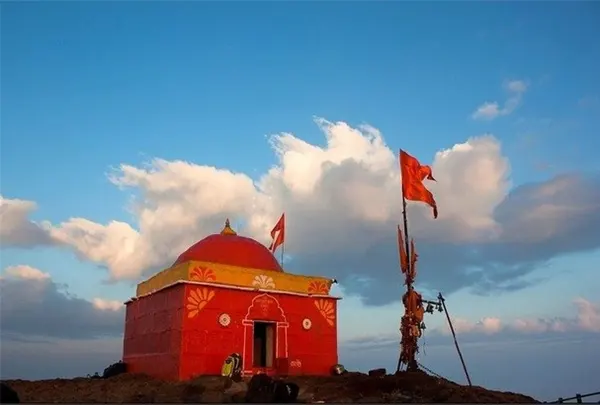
(228, 294)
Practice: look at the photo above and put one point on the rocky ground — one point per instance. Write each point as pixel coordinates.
(351, 387)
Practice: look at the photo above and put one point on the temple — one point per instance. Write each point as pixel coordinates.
(225, 294)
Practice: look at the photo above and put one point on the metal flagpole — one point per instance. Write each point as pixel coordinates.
(462, 360)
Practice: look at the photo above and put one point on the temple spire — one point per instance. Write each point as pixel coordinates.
(227, 229)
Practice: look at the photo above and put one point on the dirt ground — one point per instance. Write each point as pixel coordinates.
(351, 387)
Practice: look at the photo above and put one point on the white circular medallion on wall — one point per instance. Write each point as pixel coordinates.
(306, 324)
(224, 319)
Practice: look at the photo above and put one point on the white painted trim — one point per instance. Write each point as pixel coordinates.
(233, 287)
(249, 323)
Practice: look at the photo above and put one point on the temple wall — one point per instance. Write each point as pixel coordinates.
(153, 331)
(306, 334)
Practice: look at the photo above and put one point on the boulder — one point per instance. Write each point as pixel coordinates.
(263, 389)
(115, 369)
(377, 372)
(8, 395)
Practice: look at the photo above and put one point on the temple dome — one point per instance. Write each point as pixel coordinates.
(229, 248)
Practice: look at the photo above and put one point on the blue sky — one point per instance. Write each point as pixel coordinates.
(87, 87)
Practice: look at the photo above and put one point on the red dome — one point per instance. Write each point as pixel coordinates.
(229, 248)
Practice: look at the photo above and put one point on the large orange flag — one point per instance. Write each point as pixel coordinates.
(413, 175)
(402, 252)
(278, 234)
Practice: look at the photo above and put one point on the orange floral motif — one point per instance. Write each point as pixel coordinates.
(318, 287)
(197, 299)
(325, 307)
(202, 274)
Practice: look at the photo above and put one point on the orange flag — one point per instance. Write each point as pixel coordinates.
(413, 259)
(402, 251)
(278, 234)
(413, 175)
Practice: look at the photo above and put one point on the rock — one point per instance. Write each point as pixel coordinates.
(377, 372)
(236, 388)
(263, 388)
(8, 395)
(193, 393)
(260, 389)
(285, 392)
(114, 369)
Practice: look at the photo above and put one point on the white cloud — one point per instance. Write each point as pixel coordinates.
(353, 180)
(586, 319)
(342, 201)
(486, 325)
(16, 229)
(588, 315)
(25, 272)
(107, 305)
(491, 110)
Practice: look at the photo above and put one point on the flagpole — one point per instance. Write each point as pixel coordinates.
(408, 262)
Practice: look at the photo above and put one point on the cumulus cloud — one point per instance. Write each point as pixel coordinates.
(107, 305)
(342, 203)
(24, 272)
(33, 306)
(587, 319)
(16, 229)
(492, 109)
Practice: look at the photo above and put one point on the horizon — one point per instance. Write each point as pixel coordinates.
(130, 131)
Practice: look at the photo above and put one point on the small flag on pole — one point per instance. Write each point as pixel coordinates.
(402, 252)
(278, 234)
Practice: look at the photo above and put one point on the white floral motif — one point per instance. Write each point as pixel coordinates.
(224, 319)
(263, 281)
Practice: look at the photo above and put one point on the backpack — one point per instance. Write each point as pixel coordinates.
(232, 367)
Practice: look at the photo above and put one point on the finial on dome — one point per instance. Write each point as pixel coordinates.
(227, 230)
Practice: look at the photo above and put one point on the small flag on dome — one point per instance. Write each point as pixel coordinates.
(278, 234)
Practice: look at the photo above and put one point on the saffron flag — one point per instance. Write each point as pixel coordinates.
(413, 175)
(402, 252)
(413, 260)
(278, 234)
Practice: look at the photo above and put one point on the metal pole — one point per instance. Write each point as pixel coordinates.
(462, 360)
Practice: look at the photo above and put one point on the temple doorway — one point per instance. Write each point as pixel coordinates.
(264, 344)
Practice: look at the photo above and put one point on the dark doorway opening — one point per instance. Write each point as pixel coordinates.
(264, 344)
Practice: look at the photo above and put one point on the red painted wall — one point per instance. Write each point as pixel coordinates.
(153, 330)
(162, 340)
(206, 343)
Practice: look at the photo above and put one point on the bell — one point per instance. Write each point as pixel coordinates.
(423, 326)
(440, 309)
(429, 309)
